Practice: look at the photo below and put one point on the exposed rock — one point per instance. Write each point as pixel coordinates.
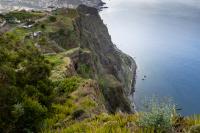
(108, 62)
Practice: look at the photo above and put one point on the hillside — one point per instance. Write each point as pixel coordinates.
(76, 51)
(60, 72)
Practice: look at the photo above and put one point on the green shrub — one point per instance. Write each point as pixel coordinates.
(77, 113)
(26, 92)
(65, 37)
(43, 41)
(22, 16)
(34, 114)
(43, 26)
(84, 70)
(55, 60)
(18, 110)
(159, 115)
(52, 18)
(61, 32)
(68, 85)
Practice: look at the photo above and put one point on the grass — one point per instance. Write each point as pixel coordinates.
(87, 103)
(72, 13)
(61, 64)
(56, 59)
(17, 34)
(74, 104)
(103, 123)
(23, 15)
(120, 123)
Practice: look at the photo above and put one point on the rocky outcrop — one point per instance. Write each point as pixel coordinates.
(114, 70)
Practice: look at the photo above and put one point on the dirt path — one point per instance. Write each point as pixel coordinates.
(5, 28)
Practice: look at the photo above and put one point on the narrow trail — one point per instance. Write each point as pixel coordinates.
(5, 28)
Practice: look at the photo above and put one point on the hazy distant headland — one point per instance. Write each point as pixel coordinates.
(7, 5)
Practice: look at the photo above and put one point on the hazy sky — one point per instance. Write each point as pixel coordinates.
(195, 3)
(180, 8)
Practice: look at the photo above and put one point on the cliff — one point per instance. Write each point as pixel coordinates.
(114, 68)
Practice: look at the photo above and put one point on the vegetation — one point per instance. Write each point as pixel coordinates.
(22, 16)
(45, 88)
(52, 18)
(158, 115)
(26, 92)
(84, 70)
(68, 85)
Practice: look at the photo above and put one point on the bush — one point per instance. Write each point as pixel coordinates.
(68, 85)
(43, 26)
(33, 114)
(18, 110)
(159, 115)
(22, 16)
(77, 113)
(84, 70)
(52, 18)
(43, 41)
(26, 92)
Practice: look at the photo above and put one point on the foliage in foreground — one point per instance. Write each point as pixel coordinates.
(159, 115)
(30, 101)
(161, 118)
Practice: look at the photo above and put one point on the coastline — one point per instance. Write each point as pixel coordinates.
(131, 93)
(112, 61)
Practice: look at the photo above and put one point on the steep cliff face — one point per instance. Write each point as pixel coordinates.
(114, 70)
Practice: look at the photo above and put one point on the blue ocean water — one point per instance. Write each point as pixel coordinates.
(164, 39)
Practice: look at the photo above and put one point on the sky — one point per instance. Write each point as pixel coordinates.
(195, 3)
(179, 8)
